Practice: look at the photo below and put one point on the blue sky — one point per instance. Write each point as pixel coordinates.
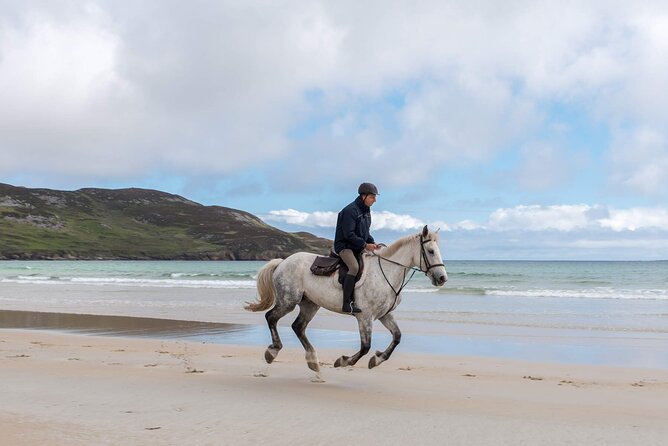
(533, 131)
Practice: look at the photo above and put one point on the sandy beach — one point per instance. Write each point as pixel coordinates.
(73, 389)
(149, 362)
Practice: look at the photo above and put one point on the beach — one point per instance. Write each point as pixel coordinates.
(109, 353)
(65, 389)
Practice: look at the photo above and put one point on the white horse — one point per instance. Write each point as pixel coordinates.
(287, 283)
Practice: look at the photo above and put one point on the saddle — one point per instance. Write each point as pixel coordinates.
(326, 266)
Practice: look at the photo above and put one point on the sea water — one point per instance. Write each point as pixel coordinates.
(610, 304)
(631, 296)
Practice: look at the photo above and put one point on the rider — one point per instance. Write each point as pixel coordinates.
(352, 237)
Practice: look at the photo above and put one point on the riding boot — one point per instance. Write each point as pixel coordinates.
(348, 290)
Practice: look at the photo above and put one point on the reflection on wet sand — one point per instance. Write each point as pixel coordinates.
(571, 346)
(130, 326)
(114, 325)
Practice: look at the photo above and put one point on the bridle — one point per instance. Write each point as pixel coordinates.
(425, 258)
(404, 282)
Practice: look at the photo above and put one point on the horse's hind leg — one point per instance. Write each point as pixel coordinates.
(365, 326)
(389, 322)
(282, 307)
(307, 310)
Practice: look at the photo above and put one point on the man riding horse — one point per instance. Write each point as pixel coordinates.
(283, 284)
(352, 237)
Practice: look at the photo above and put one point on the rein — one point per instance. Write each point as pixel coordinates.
(404, 282)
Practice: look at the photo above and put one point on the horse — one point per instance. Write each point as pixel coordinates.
(284, 284)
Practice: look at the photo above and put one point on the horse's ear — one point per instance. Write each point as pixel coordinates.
(425, 231)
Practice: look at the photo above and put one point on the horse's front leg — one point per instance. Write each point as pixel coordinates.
(365, 325)
(380, 357)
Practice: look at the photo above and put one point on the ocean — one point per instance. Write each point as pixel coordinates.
(586, 309)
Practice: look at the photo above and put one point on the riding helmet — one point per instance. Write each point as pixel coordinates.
(367, 188)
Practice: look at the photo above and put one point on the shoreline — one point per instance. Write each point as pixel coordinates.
(576, 347)
(78, 389)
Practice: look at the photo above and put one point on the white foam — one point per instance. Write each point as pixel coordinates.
(126, 281)
(590, 293)
(37, 278)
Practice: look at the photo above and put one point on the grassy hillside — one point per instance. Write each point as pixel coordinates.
(135, 224)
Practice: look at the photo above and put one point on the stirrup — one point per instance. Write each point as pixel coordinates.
(352, 308)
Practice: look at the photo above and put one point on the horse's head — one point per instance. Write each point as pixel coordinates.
(430, 260)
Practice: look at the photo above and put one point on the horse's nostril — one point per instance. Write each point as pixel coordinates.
(442, 279)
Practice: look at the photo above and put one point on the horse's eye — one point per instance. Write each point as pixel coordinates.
(431, 251)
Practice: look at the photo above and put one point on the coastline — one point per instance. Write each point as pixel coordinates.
(77, 389)
(162, 365)
(450, 330)
(338, 332)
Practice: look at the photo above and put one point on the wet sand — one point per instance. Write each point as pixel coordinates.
(107, 325)
(565, 346)
(74, 389)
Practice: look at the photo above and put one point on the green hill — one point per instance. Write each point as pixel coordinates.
(135, 224)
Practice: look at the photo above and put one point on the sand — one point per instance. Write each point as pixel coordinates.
(69, 389)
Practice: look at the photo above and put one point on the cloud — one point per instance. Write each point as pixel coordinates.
(544, 166)
(572, 218)
(306, 219)
(522, 218)
(102, 91)
(540, 218)
(395, 222)
(109, 90)
(467, 225)
(326, 219)
(639, 162)
(636, 218)
(579, 231)
(57, 70)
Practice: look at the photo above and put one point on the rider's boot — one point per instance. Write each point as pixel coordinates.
(348, 290)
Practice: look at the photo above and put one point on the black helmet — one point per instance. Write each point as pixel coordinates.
(367, 188)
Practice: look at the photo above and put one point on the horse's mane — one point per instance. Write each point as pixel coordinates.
(395, 246)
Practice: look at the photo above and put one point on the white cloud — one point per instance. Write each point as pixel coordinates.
(544, 166)
(532, 218)
(326, 219)
(556, 232)
(640, 162)
(540, 218)
(636, 218)
(298, 218)
(395, 222)
(571, 218)
(467, 225)
(58, 73)
(118, 89)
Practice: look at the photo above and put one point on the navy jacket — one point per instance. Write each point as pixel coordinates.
(352, 227)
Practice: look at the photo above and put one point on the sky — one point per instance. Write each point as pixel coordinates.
(527, 130)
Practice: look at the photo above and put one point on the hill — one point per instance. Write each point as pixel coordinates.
(135, 224)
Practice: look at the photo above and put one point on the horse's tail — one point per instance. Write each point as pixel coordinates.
(265, 287)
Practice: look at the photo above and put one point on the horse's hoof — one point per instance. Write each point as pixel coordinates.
(376, 360)
(312, 361)
(341, 362)
(270, 355)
